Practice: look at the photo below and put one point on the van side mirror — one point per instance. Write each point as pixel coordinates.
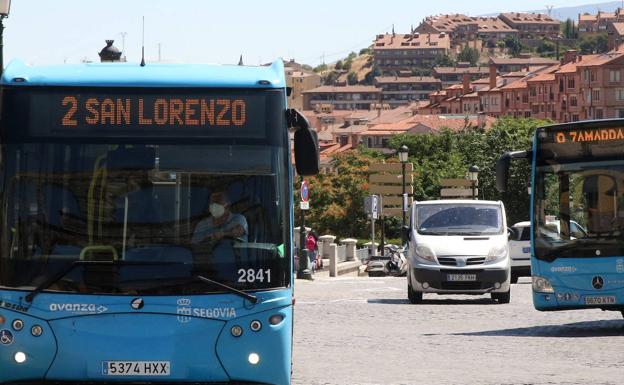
(407, 233)
(306, 144)
(502, 167)
(512, 233)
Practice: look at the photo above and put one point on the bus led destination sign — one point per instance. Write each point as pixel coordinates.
(590, 135)
(145, 111)
(141, 112)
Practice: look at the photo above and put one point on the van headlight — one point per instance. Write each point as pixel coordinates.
(542, 285)
(496, 253)
(425, 252)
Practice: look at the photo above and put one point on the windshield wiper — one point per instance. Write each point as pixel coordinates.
(251, 298)
(54, 279)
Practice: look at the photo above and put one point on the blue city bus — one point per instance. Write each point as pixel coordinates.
(146, 221)
(577, 214)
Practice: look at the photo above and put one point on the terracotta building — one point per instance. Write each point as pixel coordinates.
(598, 23)
(329, 98)
(532, 25)
(401, 52)
(399, 90)
(300, 80)
(454, 75)
(578, 88)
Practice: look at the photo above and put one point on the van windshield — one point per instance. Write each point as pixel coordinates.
(459, 219)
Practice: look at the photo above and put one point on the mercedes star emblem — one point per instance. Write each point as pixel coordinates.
(597, 282)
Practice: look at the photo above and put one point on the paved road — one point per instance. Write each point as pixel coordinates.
(364, 331)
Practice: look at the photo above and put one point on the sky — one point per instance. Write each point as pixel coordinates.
(207, 31)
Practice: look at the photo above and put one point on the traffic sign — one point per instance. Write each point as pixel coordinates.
(305, 191)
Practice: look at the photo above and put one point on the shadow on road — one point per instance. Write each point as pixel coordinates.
(578, 329)
(405, 301)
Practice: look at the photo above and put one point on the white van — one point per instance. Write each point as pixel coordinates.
(458, 247)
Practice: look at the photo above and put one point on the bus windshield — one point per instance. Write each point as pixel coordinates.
(162, 214)
(459, 219)
(579, 209)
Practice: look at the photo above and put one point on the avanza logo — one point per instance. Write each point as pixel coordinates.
(87, 308)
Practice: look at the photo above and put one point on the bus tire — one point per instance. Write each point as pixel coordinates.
(502, 297)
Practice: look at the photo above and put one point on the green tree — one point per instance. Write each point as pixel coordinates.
(352, 78)
(347, 65)
(330, 78)
(568, 29)
(338, 65)
(366, 51)
(468, 54)
(320, 68)
(351, 56)
(513, 45)
(546, 48)
(337, 199)
(444, 61)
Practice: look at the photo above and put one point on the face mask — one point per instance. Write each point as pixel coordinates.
(217, 210)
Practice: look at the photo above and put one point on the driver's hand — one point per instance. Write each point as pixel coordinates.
(217, 236)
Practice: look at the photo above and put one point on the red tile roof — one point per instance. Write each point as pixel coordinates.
(344, 89)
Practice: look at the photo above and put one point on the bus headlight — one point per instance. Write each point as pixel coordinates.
(542, 285)
(253, 358)
(20, 357)
(425, 252)
(496, 253)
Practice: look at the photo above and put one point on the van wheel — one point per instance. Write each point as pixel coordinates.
(514, 278)
(502, 297)
(415, 297)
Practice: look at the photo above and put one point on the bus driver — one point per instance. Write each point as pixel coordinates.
(221, 223)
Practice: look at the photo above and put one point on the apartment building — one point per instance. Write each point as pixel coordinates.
(532, 25)
(454, 75)
(393, 52)
(506, 65)
(615, 32)
(300, 81)
(578, 88)
(462, 28)
(329, 98)
(599, 23)
(401, 90)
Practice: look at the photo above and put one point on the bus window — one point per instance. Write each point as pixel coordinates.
(600, 193)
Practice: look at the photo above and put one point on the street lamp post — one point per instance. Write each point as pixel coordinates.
(5, 6)
(403, 153)
(473, 174)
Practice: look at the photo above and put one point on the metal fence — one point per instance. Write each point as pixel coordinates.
(342, 253)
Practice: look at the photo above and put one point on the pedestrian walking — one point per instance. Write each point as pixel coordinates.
(312, 246)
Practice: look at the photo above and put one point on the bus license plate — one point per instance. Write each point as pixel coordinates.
(600, 300)
(461, 277)
(136, 368)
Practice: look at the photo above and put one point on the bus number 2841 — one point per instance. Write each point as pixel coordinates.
(252, 275)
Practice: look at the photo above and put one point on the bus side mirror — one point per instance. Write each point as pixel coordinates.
(502, 167)
(306, 144)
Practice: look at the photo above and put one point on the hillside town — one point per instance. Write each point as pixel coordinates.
(455, 71)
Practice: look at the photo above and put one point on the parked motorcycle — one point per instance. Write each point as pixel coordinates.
(392, 262)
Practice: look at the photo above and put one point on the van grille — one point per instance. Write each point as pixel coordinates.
(451, 261)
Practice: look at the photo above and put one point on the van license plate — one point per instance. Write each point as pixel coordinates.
(600, 300)
(136, 368)
(461, 277)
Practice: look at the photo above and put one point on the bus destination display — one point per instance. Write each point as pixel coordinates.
(580, 143)
(141, 112)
